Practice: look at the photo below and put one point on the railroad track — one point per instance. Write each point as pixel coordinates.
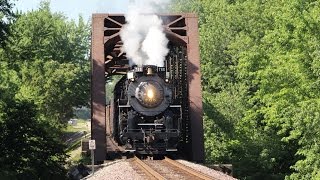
(166, 169)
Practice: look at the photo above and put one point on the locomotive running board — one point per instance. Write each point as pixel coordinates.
(130, 150)
(175, 106)
(171, 150)
(150, 124)
(120, 106)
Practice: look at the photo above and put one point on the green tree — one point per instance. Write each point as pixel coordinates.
(42, 34)
(30, 148)
(55, 87)
(260, 67)
(6, 16)
(44, 75)
(50, 55)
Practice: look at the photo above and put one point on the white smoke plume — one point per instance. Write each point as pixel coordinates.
(144, 41)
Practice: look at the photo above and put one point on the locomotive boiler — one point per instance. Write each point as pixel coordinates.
(148, 121)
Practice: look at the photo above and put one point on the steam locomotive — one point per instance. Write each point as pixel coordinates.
(147, 118)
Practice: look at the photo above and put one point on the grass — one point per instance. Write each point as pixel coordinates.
(74, 146)
(82, 125)
(74, 150)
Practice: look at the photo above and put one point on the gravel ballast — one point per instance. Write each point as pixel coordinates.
(120, 171)
(206, 170)
(123, 170)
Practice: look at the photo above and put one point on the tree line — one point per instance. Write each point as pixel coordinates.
(260, 63)
(44, 74)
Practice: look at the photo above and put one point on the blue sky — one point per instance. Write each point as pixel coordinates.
(72, 8)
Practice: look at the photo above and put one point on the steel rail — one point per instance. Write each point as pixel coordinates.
(148, 170)
(188, 169)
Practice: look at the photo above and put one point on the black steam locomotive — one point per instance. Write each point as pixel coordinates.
(147, 118)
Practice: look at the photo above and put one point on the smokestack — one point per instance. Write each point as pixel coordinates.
(144, 40)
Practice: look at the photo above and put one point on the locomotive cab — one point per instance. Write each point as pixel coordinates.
(148, 121)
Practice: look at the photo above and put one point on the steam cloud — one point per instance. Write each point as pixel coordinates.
(144, 41)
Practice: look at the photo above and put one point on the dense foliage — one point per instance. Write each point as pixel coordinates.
(44, 75)
(50, 56)
(6, 17)
(260, 63)
(31, 149)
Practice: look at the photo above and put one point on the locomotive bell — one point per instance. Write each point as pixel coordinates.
(149, 71)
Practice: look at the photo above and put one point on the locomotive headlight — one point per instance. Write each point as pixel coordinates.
(150, 94)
